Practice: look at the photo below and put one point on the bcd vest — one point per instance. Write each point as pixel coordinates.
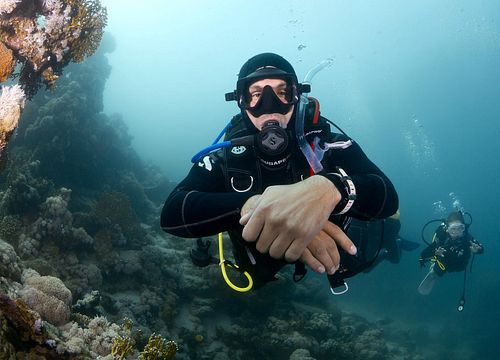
(243, 171)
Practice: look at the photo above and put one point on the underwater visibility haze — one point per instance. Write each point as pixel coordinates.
(416, 84)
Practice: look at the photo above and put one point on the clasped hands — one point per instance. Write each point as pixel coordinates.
(475, 248)
(291, 222)
(440, 251)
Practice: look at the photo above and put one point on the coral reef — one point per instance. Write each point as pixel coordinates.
(158, 348)
(114, 208)
(96, 338)
(73, 217)
(43, 37)
(122, 347)
(54, 225)
(9, 262)
(11, 105)
(22, 328)
(301, 354)
(48, 296)
(10, 227)
(46, 35)
(7, 62)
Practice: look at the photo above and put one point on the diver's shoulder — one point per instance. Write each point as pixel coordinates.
(340, 137)
(340, 141)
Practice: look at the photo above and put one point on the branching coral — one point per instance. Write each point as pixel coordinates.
(122, 346)
(158, 348)
(90, 21)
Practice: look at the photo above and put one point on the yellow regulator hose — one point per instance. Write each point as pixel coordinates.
(223, 264)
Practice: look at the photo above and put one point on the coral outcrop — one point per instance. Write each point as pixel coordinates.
(9, 262)
(48, 296)
(43, 37)
(74, 220)
(7, 62)
(11, 105)
(158, 348)
(46, 35)
(22, 328)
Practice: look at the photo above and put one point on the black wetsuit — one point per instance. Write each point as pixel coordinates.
(209, 199)
(457, 251)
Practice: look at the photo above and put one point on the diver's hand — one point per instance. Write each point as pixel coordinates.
(475, 248)
(322, 252)
(249, 205)
(286, 218)
(440, 251)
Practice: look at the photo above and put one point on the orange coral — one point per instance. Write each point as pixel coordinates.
(7, 62)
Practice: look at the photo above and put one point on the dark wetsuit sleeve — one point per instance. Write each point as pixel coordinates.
(438, 238)
(200, 206)
(376, 197)
(428, 252)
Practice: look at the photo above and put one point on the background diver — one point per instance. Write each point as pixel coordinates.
(450, 251)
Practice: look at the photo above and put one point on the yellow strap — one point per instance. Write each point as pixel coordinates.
(223, 264)
(440, 264)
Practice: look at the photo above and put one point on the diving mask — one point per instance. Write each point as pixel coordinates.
(289, 94)
(269, 101)
(456, 229)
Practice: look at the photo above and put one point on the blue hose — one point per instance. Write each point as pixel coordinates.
(206, 150)
(222, 133)
(196, 157)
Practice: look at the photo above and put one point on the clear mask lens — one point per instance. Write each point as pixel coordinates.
(287, 93)
(284, 93)
(456, 229)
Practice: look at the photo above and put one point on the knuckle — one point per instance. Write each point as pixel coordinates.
(319, 251)
(291, 255)
(261, 248)
(274, 253)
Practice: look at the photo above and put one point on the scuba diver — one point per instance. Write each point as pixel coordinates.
(281, 184)
(450, 251)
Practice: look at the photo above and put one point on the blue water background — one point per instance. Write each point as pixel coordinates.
(417, 84)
